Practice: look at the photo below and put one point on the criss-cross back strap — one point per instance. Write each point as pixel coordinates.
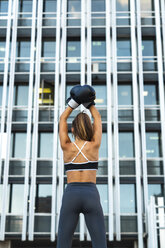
(80, 151)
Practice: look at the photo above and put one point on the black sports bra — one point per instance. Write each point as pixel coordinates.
(89, 165)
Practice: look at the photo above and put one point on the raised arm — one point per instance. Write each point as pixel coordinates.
(97, 126)
(63, 128)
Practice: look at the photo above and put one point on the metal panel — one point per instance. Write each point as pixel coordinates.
(162, 4)
(29, 123)
(109, 123)
(136, 125)
(35, 123)
(9, 119)
(55, 134)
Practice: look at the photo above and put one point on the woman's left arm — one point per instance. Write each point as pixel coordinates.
(63, 128)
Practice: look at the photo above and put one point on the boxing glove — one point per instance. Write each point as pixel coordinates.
(73, 101)
(87, 94)
(88, 104)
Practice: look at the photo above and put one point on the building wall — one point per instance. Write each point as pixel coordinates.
(48, 46)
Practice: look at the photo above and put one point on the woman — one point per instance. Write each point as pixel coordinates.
(81, 163)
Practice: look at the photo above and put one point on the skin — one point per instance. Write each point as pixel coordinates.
(90, 150)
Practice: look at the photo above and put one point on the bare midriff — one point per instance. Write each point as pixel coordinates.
(81, 176)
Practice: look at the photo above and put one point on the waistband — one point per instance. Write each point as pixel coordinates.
(81, 184)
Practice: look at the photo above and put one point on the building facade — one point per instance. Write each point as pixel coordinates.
(47, 47)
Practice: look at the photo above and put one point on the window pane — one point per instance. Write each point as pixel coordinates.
(16, 198)
(4, 6)
(98, 49)
(25, 6)
(151, 94)
(2, 49)
(21, 95)
(1, 89)
(73, 49)
(155, 190)
(153, 143)
(45, 145)
(43, 198)
(148, 48)
(123, 48)
(50, 5)
(103, 152)
(103, 192)
(74, 5)
(125, 95)
(122, 5)
(127, 198)
(126, 144)
(147, 5)
(101, 94)
(98, 5)
(48, 48)
(23, 49)
(18, 145)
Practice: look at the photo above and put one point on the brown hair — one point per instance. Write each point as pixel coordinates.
(82, 127)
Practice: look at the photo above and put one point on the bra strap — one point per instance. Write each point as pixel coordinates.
(80, 151)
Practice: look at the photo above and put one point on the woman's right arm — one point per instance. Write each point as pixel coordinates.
(97, 126)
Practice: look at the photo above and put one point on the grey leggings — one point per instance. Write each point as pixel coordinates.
(81, 197)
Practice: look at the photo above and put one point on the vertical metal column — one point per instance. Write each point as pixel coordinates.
(163, 26)
(161, 221)
(136, 126)
(109, 121)
(161, 81)
(116, 129)
(35, 123)
(9, 120)
(29, 122)
(5, 80)
(55, 134)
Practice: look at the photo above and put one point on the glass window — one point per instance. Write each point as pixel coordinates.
(43, 198)
(46, 94)
(48, 48)
(153, 144)
(125, 95)
(23, 49)
(2, 49)
(151, 94)
(50, 6)
(98, 48)
(73, 49)
(103, 192)
(126, 144)
(18, 147)
(122, 5)
(45, 145)
(155, 190)
(98, 5)
(123, 48)
(16, 199)
(25, 6)
(147, 5)
(103, 151)
(21, 95)
(148, 48)
(127, 198)
(101, 94)
(4, 6)
(74, 6)
(1, 92)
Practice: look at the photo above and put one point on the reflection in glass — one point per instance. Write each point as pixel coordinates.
(127, 198)
(153, 144)
(16, 199)
(103, 192)
(122, 5)
(43, 198)
(3, 6)
(126, 145)
(2, 49)
(50, 6)
(21, 95)
(101, 94)
(147, 5)
(48, 48)
(123, 47)
(148, 47)
(45, 146)
(151, 94)
(125, 94)
(1, 91)
(98, 5)
(73, 49)
(18, 145)
(103, 151)
(46, 93)
(155, 190)
(74, 5)
(23, 49)
(98, 49)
